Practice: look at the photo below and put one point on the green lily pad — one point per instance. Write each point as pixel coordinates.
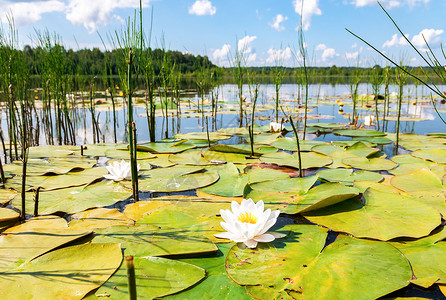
(297, 264)
(338, 157)
(176, 178)
(427, 257)
(373, 140)
(76, 199)
(7, 215)
(99, 218)
(349, 143)
(379, 215)
(257, 174)
(264, 138)
(53, 166)
(289, 144)
(97, 150)
(197, 215)
(327, 125)
(51, 151)
(213, 136)
(324, 195)
(236, 158)
(155, 240)
(234, 130)
(371, 164)
(155, 277)
(243, 149)
(407, 159)
(67, 273)
(326, 149)
(309, 159)
(192, 157)
(420, 180)
(347, 176)
(435, 155)
(22, 244)
(124, 154)
(409, 168)
(361, 149)
(7, 195)
(230, 183)
(161, 161)
(359, 132)
(280, 194)
(71, 179)
(216, 285)
(167, 147)
(437, 134)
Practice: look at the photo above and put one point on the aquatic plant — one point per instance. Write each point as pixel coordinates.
(429, 58)
(254, 93)
(128, 39)
(238, 73)
(376, 80)
(401, 79)
(303, 69)
(248, 223)
(119, 171)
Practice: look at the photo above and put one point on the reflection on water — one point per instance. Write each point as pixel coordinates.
(322, 101)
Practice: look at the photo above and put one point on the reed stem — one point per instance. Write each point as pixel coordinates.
(131, 277)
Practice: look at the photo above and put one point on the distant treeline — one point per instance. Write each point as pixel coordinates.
(91, 62)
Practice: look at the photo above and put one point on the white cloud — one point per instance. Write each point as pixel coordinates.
(321, 47)
(244, 45)
(432, 37)
(413, 3)
(395, 41)
(352, 55)
(310, 8)
(327, 53)
(202, 8)
(389, 3)
(278, 56)
(251, 58)
(25, 12)
(91, 14)
(220, 56)
(276, 22)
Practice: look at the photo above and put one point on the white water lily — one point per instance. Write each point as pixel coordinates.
(369, 120)
(247, 223)
(275, 127)
(119, 171)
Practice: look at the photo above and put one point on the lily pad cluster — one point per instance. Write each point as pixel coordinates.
(359, 224)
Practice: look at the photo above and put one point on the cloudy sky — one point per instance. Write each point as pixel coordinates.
(265, 30)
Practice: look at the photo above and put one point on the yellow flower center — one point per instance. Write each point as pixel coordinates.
(247, 217)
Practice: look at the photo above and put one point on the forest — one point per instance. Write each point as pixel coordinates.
(93, 62)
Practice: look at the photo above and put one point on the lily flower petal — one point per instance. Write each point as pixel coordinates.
(248, 223)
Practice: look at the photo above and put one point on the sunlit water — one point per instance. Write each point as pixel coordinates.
(289, 93)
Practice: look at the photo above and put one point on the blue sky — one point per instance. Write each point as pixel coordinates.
(265, 30)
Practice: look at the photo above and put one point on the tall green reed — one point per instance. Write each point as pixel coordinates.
(254, 86)
(430, 58)
(147, 68)
(239, 73)
(376, 80)
(401, 80)
(128, 40)
(304, 69)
